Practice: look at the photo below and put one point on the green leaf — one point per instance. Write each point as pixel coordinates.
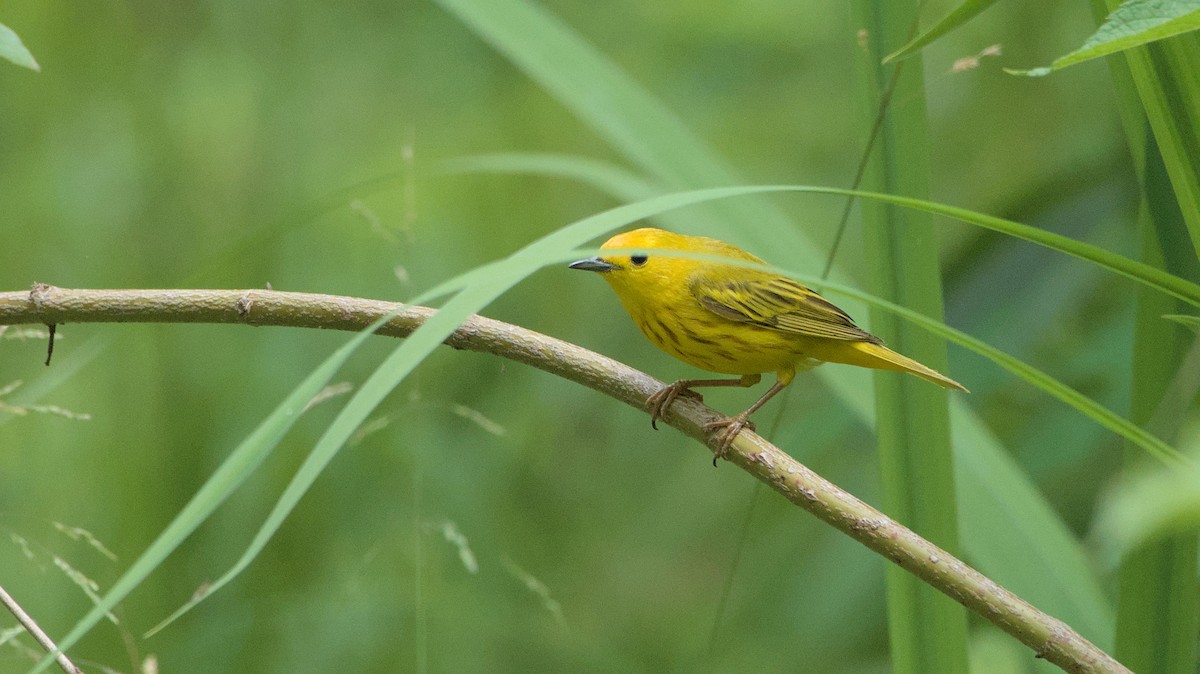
(957, 17)
(1192, 322)
(14, 50)
(1134, 23)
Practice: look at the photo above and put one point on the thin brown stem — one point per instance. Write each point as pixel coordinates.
(1049, 637)
(32, 627)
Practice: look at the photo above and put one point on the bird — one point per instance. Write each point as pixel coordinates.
(734, 320)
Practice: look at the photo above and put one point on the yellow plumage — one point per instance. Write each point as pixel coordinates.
(733, 320)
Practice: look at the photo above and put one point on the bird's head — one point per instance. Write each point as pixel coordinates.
(642, 273)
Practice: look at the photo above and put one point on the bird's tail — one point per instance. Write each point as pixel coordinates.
(878, 356)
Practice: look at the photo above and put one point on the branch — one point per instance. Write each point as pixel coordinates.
(1049, 637)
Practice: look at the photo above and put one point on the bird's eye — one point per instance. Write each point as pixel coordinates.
(638, 260)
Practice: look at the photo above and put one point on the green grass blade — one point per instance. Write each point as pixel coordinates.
(1162, 77)
(469, 300)
(498, 277)
(66, 366)
(1192, 322)
(1146, 508)
(625, 115)
(390, 373)
(1012, 534)
(968, 10)
(618, 109)
(1157, 608)
(927, 631)
(12, 49)
(1157, 584)
(1140, 272)
(232, 472)
(1089, 407)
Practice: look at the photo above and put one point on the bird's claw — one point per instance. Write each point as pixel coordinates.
(725, 431)
(661, 399)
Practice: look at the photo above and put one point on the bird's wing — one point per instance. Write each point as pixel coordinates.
(778, 303)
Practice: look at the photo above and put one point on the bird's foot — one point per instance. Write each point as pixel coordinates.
(662, 399)
(725, 431)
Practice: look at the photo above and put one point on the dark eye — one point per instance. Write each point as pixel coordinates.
(638, 260)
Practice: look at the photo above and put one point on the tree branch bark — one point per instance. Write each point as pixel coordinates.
(1049, 637)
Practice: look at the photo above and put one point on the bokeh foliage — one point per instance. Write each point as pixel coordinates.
(198, 145)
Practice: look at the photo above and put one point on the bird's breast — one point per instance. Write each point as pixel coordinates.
(716, 344)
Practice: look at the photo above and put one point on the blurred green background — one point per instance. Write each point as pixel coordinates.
(223, 144)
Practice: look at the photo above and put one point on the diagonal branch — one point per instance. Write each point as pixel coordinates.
(1049, 637)
(32, 627)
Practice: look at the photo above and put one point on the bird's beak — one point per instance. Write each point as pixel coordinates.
(593, 264)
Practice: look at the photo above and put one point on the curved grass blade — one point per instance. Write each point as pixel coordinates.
(1034, 376)
(1145, 508)
(232, 472)
(1156, 96)
(955, 18)
(499, 278)
(1141, 272)
(1192, 322)
(469, 300)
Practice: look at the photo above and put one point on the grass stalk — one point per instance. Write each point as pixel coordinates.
(927, 632)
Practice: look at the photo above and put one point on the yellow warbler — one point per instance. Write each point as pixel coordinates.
(733, 320)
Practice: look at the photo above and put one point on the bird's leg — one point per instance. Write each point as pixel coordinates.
(662, 399)
(728, 428)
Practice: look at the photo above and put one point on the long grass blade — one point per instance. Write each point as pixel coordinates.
(1145, 274)
(1127, 429)
(232, 472)
(926, 632)
(405, 358)
(1157, 614)
(1163, 77)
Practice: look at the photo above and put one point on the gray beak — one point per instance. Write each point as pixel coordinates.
(592, 264)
